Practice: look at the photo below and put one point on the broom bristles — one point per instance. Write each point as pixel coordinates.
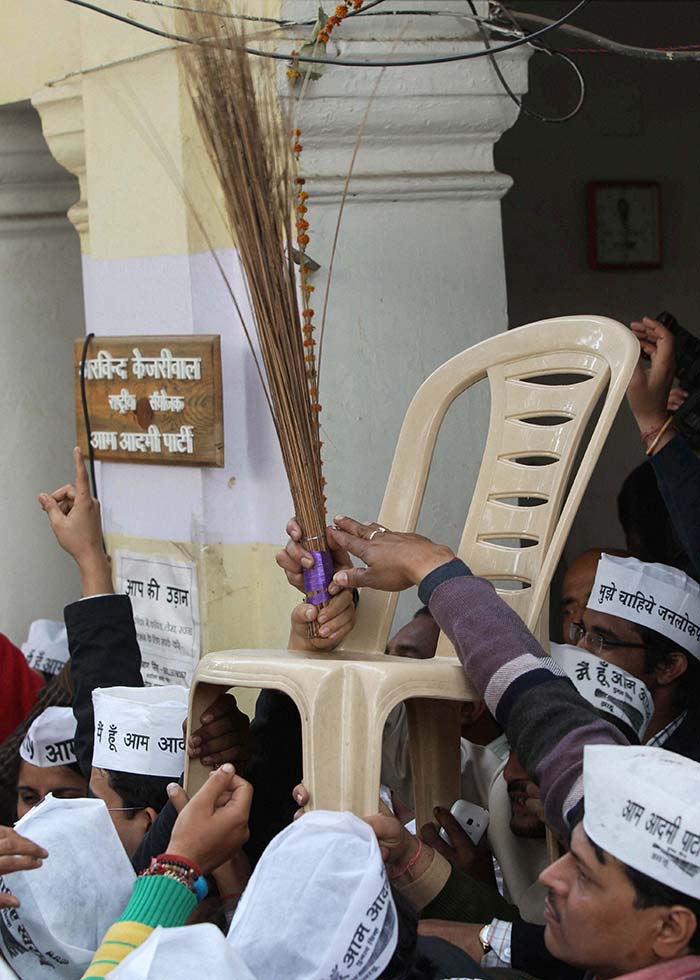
(249, 145)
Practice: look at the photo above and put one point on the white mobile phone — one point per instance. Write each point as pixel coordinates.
(473, 820)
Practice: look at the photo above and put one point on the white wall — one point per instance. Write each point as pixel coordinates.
(639, 122)
(41, 312)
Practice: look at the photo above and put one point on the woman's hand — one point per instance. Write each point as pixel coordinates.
(212, 827)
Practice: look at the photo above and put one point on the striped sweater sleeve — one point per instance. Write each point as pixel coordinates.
(155, 901)
(547, 722)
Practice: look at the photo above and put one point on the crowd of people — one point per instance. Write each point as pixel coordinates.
(580, 773)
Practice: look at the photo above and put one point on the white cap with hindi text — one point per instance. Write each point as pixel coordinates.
(50, 740)
(657, 596)
(46, 648)
(342, 923)
(139, 729)
(642, 805)
(607, 687)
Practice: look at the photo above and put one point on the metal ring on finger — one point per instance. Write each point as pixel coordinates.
(377, 530)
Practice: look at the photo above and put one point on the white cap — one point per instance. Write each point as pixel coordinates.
(69, 903)
(46, 648)
(342, 923)
(180, 952)
(139, 729)
(606, 687)
(642, 805)
(50, 740)
(657, 596)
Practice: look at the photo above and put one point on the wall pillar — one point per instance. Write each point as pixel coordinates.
(40, 314)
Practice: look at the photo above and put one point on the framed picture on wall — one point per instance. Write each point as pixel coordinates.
(624, 224)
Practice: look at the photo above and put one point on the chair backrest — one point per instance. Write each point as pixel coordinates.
(546, 379)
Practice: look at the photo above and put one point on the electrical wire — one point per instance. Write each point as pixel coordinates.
(86, 414)
(251, 17)
(518, 101)
(605, 44)
(341, 62)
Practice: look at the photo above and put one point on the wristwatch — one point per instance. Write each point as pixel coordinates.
(484, 937)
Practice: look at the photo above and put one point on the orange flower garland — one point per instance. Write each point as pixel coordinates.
(324, 33)
(307, 289)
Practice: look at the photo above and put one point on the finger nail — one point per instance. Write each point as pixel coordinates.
(307, 562)
(341, 578)
(324, 631)
(298, 796)
(207, 718)
(195, 751)
(310, 613)
(171, 789)
(44, 852)
(195, 740)
(339, 517)
(333, 588)
(227, 767)
(206, 761)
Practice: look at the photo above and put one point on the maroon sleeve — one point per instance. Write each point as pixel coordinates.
(19, 686)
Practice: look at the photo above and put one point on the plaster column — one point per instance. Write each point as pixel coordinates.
(419, 272)
(41, 313)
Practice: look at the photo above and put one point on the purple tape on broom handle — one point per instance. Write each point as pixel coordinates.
(318, 578)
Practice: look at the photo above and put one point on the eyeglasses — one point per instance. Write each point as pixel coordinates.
(596, 643)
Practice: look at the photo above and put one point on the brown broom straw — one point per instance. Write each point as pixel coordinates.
(250, 148)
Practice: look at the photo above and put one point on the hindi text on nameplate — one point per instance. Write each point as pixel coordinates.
(152, 399)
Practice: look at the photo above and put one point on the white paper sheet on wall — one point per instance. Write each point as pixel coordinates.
(164, 594)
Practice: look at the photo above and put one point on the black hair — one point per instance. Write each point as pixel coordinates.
(138, 792)
(650, 893)
(645, 519)
(658, 652)
(406, 963)
(423, 611)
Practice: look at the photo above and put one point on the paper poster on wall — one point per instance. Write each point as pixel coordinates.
(165, 599)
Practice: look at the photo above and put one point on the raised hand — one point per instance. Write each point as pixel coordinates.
(395, 560)
(74, 516)
(17, 853)
(212, 827)
(649, 389)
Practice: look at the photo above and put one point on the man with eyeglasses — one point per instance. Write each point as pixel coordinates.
(645, 618)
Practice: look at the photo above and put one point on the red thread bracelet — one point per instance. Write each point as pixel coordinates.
(176, 859)
(410, 863)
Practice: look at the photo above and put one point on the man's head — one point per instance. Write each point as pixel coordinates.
(627, 895)
(417, 639)
(646, 619)
(133, 801)
(523, 823)
(577, 584)
(603, 916)
(139, 748)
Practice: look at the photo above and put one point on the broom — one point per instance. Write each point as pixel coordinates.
(250, 147)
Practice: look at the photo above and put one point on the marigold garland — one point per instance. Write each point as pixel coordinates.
(323, 35)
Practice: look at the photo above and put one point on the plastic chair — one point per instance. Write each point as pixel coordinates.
(546, 379)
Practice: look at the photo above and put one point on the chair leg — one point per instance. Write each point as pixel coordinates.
(202, 696)
(434, 733)
(342, 747)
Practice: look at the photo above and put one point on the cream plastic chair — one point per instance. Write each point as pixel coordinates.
(546, 380)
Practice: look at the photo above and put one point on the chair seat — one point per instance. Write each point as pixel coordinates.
(344, 700)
